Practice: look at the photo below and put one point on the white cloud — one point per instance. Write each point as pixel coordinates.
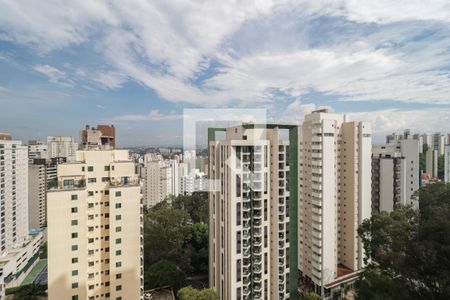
(54, 75)
(154, 115)
(167, 45)
(296, 111)
(396, 120)
(111, 80)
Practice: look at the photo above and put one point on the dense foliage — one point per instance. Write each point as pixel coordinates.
(28, 292)
(176, 240)
(407, 251)
(189, 293)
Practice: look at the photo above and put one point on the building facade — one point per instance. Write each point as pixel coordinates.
(102, 137)
(37, 193)
(157, 181)
(447, 163)
(37, 150)
(95, 229)
(252, 212)
(61, 147)
(395, 175)
(13, 194)
(334, 198)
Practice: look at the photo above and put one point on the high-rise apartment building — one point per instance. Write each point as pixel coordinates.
(395, 175)
(37, 150)
(61, 147)
(157, 180)
(431, 162)
(37, 193)
(334, 198)
(419, 138)
(102, 137)
(253, 212)
(439, 143)
(95, 228)
(427, 140)
(13, 193)
(447, 163)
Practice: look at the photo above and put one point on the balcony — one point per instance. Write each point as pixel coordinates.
(316, 195)
(124, 181)
(316, 155)
(72, 183)
(317, 210)
(317, 218)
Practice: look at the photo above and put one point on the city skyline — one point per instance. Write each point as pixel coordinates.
(138, 67)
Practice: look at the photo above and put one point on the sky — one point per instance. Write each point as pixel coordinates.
(64, 64)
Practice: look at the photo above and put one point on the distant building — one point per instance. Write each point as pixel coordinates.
(61, 147)
(431, 162)
(427, 140)
(395, 174)
(95, 243)
(419, 138)
(37, 150)
(157, 179)
(102, 137)
(37, 193)
(447, 163)
(439, 143)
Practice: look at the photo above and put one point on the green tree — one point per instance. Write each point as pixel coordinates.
(198, 245)
(196, 206)
(28, 292)
(165, 231)
(164, 273)
(408, 251)
(189, 293)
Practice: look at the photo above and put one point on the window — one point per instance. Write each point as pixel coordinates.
(75, 285)
(238, 270)
(106, 168)
(238, 242)
(74, 247)
(75, 297)
(118, 229)
(118, 252)
(92, 180)
(74, 260)
(118, 241)
(105, 179)
(74, 197)
(74, 209)
(118, 288)
(90, 193)
(118, 217)
(118, 264)
(238, 213)
(74, 222)
(118, 276)
(118, 193)
(118, 205)
(74, 235)
(74, 272)
(90, 169)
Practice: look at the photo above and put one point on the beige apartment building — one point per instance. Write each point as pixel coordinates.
(249, 237)
(334, 197)
(157, 180)
(95, 241)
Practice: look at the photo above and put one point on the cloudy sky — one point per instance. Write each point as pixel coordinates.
(138, 64)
